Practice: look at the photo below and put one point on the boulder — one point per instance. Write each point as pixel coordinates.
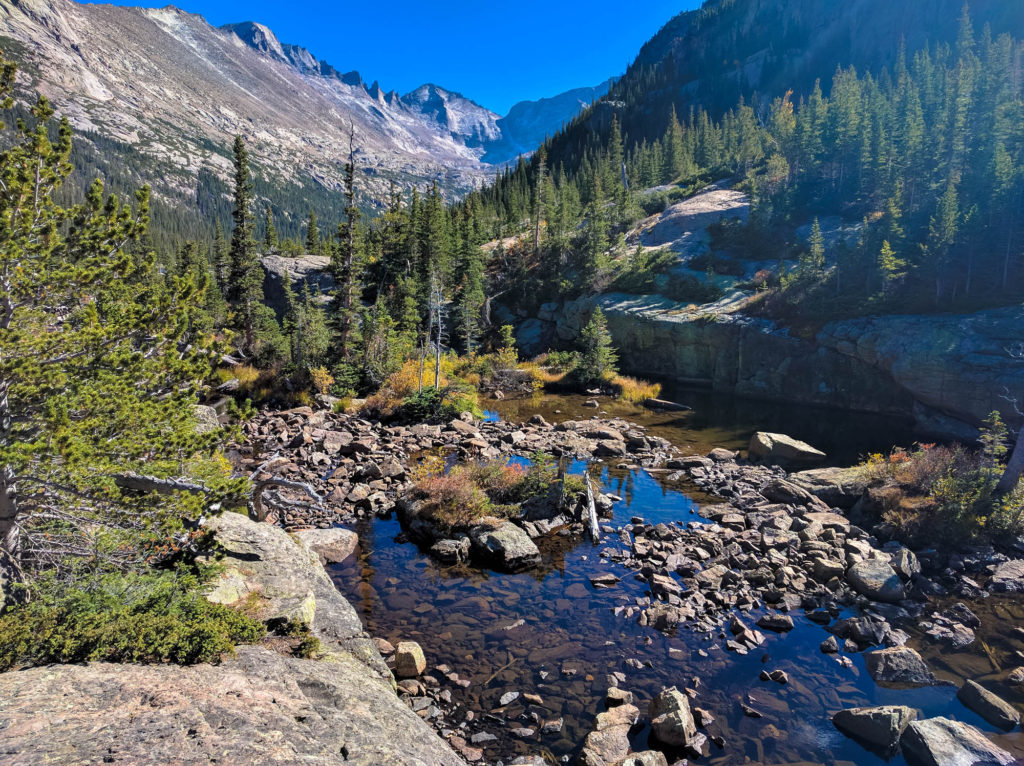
(942, 742)
(879, 726)
(504, 546)
(288, 582)
(206, 418)
(1008, 577)
(779, 448)
(332, 545)
(899, 665)
(671, 720)
(409, 660)
(838, 487)
(877, 580)
(258, 706)
(451, 551)
(992, 708)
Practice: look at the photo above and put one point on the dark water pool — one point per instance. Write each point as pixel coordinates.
(570, 639)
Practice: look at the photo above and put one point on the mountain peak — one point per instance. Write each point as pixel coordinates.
(259, 37)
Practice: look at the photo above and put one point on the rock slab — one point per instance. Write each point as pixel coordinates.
(943, 742)
(260, 707)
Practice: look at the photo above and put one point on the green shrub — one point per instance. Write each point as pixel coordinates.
(159, 617)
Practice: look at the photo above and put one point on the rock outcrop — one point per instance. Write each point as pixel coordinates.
(946, 371)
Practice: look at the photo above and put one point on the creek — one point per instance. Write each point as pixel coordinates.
(551, 633)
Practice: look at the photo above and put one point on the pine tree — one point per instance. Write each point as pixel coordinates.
(220, 257)
(597, 354)
(347, 257)
(813, 262)
(245, 289)
(270, 240)
(95, 380)
(313, 244)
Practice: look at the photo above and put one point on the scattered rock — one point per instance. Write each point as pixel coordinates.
(505, 546)
(332, 545)
(1008, 577)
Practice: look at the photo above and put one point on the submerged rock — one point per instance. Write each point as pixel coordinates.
(881, 726)
(942, 742)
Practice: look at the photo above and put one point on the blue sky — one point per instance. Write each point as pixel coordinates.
(496, 53)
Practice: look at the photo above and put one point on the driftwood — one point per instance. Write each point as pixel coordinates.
(137, 483)
(592, 526)
(261, 499)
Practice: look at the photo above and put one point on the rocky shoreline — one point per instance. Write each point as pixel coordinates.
(779, 543)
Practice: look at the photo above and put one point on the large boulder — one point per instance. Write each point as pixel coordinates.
(671, 720)
(989, 706)
(265, 568)
(504, 546)
(880, 726)
(779, 448)
(877, 580)
(258, 707)
(942, 742)
(899, 665)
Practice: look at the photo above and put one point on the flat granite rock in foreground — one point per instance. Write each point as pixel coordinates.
(260, 707)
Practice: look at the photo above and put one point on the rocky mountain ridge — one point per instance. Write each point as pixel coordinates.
(170, 91)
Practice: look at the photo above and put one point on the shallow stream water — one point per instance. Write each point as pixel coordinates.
(550, 632)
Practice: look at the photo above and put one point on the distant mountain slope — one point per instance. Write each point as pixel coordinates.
(159, 94)
(758, 49)
(528, 123)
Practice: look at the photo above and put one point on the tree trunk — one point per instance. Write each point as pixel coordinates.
(10, 532)
(1014, 469)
